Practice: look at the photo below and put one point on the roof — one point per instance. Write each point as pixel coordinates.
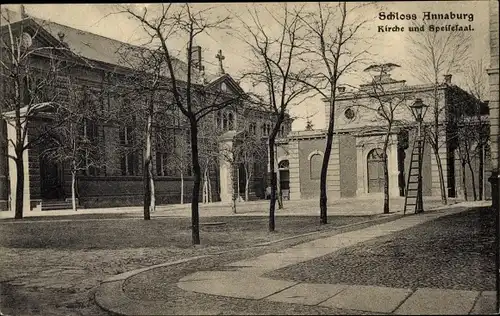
(102, 49)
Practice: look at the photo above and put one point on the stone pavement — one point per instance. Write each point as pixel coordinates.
(244, 279)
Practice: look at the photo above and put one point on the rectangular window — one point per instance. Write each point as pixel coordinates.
(129, 160)
(91, 159)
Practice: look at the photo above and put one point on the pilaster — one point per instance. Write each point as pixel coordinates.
(293, 160)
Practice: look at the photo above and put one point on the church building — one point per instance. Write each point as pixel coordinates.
(98, 70)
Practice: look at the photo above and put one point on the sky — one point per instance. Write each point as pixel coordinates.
(384, 46)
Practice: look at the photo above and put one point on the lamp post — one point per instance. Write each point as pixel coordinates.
(418, 111)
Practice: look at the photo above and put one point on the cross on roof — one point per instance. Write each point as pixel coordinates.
(220, 57)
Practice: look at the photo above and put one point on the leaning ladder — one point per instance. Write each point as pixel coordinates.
(413, 186)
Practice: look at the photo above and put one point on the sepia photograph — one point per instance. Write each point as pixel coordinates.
(241, 158)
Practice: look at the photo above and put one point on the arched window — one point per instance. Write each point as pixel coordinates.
(218, 121)
(283, 164)
(224, 122)
(230, 119)
(315, 166)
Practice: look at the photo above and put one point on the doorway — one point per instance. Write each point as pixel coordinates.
(375, 163)
(51, 180)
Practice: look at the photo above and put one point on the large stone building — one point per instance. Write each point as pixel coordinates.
(100, 71)
(356, 164)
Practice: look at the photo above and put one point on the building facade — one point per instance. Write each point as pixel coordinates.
(356, 161)
(101, 75)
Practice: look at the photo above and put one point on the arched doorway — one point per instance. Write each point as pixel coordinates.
(375, 162)
(284, 170)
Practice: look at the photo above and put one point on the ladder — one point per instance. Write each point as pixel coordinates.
(413, 186)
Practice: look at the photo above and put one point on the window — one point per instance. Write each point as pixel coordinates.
(252, 128)
(315, 166)
(90, 136)
(165, 144)
(282, 131)
(129, 160)
(349, 114)
(230, 119)
(266, 129)
(218, 120)
(224, 122)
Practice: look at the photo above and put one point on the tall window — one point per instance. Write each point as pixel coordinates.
(90, 135)
(129, 159)
(252, 128)
(165, 143)
(230, 118)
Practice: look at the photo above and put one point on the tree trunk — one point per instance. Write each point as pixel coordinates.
(323, 198)
(195, 214)
(152, 206)
(272, 174)
(481, 173)
(238, 184)
(204, 189)
(19, 202)
(464, 184)
(148, 192)
(233, 195)
(209, 187)
(444, 198)
(472, 176)
(73, 187)
(182, 187)
(247, 184)
(435, 146)
(386, 173)
(279, 196)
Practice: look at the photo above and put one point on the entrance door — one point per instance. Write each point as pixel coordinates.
(51, 180)
(375, 171)
(284, 170)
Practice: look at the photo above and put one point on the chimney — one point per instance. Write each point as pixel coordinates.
(341, 89)
(23, 12)
(447, 79)
(61, 36)
(196, 57)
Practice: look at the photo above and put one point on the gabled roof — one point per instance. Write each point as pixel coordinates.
(102, 49)
(228, 80)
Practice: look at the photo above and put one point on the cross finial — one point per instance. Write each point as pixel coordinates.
(220, 57)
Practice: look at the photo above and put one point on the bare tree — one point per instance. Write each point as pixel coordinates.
(28, 87)
(191, 98)
(333, 53)
(143, 82)
(470, 128)
(276, 67)
(75, 140)
(387, 103)
(228, 153)
(435, 54)
(250, 150)
(477, 86)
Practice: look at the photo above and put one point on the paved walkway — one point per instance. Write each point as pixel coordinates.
(368, 205)
(244, 279)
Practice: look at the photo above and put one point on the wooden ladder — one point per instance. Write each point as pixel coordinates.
(413, 186)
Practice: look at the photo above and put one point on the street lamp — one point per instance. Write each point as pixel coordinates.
(418, 111)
